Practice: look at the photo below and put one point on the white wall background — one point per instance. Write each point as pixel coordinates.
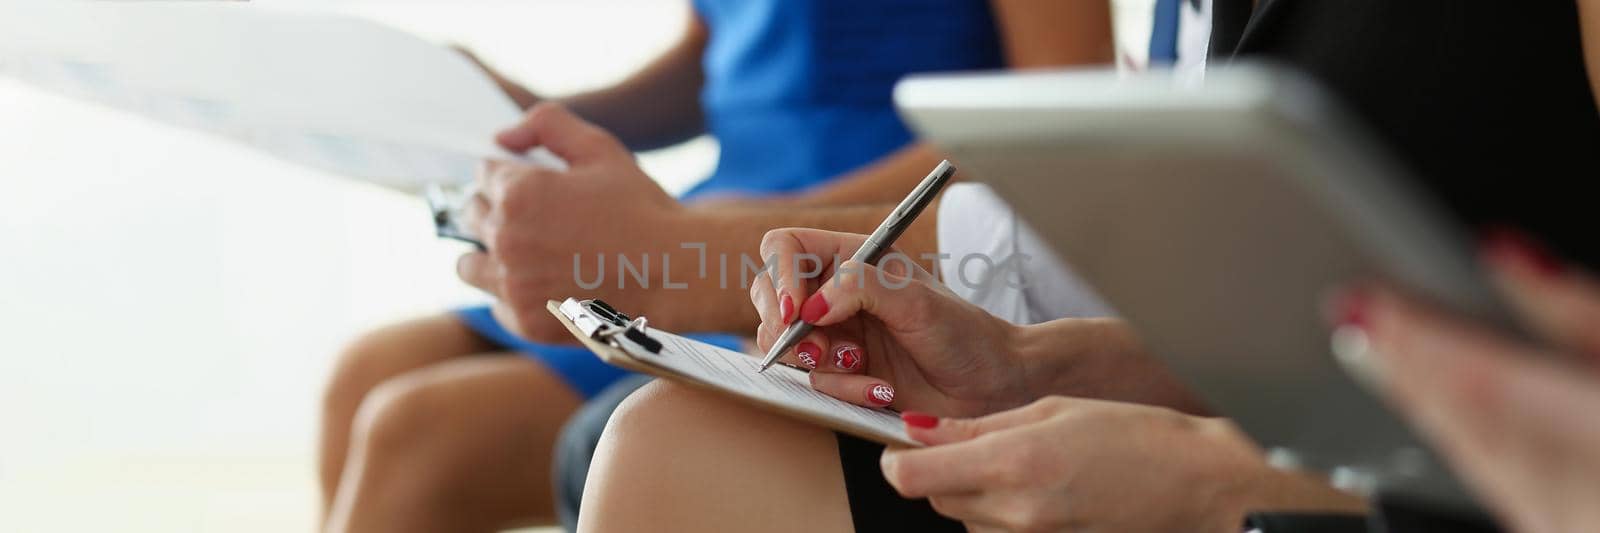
(169, 303)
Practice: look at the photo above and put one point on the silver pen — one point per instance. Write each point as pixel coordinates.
(877, 243)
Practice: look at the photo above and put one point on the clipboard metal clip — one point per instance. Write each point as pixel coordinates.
(600, 321)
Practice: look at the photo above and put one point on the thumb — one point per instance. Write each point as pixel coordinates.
(565, 134)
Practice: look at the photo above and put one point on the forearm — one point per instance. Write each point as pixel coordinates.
(884, 181)
(657, 106)
(726, 241)
(1097, 358)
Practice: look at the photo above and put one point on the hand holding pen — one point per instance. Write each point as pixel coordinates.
(874, 247)
(863, 328)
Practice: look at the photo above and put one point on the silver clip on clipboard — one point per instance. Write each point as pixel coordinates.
(604, 323)
(449, 202)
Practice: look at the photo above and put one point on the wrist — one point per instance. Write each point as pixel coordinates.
(702, 282)
(1073, 357)
(1033, 352)
(1255, 486)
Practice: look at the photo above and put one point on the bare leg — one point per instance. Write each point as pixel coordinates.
(678, 459)
(461, 445)
(377, 356)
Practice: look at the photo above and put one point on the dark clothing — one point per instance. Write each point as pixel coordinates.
(1487, 103)
(579, 437)
(874, 505)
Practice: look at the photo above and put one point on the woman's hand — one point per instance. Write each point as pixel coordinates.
(889, 335)
(1075, 464)
(892, 334)
(1516, 421)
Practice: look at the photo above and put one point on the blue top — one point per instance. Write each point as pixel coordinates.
(800, 91)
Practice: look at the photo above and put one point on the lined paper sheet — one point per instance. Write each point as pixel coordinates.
(787, 387)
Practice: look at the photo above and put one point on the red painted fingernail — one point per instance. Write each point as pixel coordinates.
(807, 353)
(1506, 244)
(1350, 307)
(919, 420)
(880, 394)
(847, 357)
(786, 307)
(814, 309)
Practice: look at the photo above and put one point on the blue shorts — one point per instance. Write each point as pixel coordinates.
(580, 368)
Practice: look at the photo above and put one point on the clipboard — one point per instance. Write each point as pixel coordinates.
(785, 390)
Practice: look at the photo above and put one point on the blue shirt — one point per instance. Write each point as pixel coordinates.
(799, 91)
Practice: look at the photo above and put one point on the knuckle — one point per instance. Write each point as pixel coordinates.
(594, 136)
(757, 290)
(772, 241)
(1006, 472)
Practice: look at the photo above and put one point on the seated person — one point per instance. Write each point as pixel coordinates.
(967, 383)
(1024, 490)
(419, 434)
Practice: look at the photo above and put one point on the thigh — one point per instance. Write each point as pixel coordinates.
(404, 346)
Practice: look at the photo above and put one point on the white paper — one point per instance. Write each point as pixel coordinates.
(337, 93)
(780, 385)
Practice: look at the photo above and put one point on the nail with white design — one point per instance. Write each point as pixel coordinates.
(880, 394)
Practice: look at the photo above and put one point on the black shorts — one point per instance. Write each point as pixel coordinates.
(874, 505)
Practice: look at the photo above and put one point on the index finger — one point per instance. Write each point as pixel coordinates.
(790, 251)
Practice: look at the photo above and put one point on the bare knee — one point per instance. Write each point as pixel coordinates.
(389, 351)
(395, 415)
(667, 438)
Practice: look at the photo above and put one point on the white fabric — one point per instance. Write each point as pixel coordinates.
(1194, 40)
(974, 221)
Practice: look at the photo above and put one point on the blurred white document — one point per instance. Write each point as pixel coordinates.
(337, 93)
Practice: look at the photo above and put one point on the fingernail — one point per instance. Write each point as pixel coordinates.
(880, 395)
(847, 357)
(1506, 244)
(919, 420)
(1350, 307)
(887, 463)
(807, 353)
(786, 307)
(814, 309)
(1352, 349)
